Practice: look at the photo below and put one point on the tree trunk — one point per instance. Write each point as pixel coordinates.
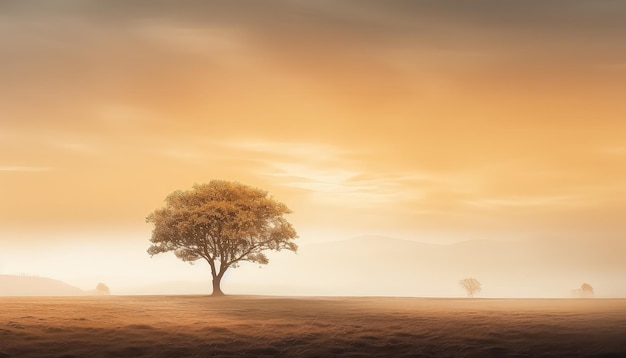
(217, 290)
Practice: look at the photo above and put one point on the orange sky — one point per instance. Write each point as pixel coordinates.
(433, 121)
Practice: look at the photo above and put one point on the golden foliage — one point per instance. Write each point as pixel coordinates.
(223, 223)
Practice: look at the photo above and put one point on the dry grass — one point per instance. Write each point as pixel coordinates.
(198, 326)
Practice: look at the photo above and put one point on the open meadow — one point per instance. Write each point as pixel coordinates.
(199, 326)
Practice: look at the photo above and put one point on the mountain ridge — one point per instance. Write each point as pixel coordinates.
(24, 285)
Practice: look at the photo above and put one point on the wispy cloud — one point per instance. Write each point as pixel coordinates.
(212, 40)
(303, 151)
(31, 169)
(616, 150)
(538, 201)
(332, 175)
(75, 147)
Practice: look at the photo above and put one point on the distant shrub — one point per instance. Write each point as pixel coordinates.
(586, 289)
(471, 285)
(102, 289)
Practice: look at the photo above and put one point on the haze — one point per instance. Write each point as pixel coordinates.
(434, 121)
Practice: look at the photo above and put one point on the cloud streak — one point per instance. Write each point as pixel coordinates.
(24, 169)
(353, 112)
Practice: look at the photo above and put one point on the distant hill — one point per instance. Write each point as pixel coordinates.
(13, 285)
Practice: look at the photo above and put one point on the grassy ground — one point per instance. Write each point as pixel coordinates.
(199, 326)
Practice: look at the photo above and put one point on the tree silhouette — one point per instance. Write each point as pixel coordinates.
(586, 289)
(102, 289)
(471, 286)
(223, 223)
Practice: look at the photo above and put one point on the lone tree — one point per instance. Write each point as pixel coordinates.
(223, 223)
(471, 286)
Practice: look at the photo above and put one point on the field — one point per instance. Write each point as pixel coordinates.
(200, 326)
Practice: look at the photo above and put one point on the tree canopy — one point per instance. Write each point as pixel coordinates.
(471, 285)
(102, 289)
(223, 223)
(586, 289)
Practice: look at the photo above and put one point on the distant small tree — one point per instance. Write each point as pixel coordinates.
(102, 289)
(471, 286)
(586, 289)
(223, 223)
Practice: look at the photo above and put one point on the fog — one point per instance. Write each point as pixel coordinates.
(360, 266)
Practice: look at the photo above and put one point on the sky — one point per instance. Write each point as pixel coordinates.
(433, 121)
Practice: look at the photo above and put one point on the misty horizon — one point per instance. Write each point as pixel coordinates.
(435, 122)
(514, 269)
